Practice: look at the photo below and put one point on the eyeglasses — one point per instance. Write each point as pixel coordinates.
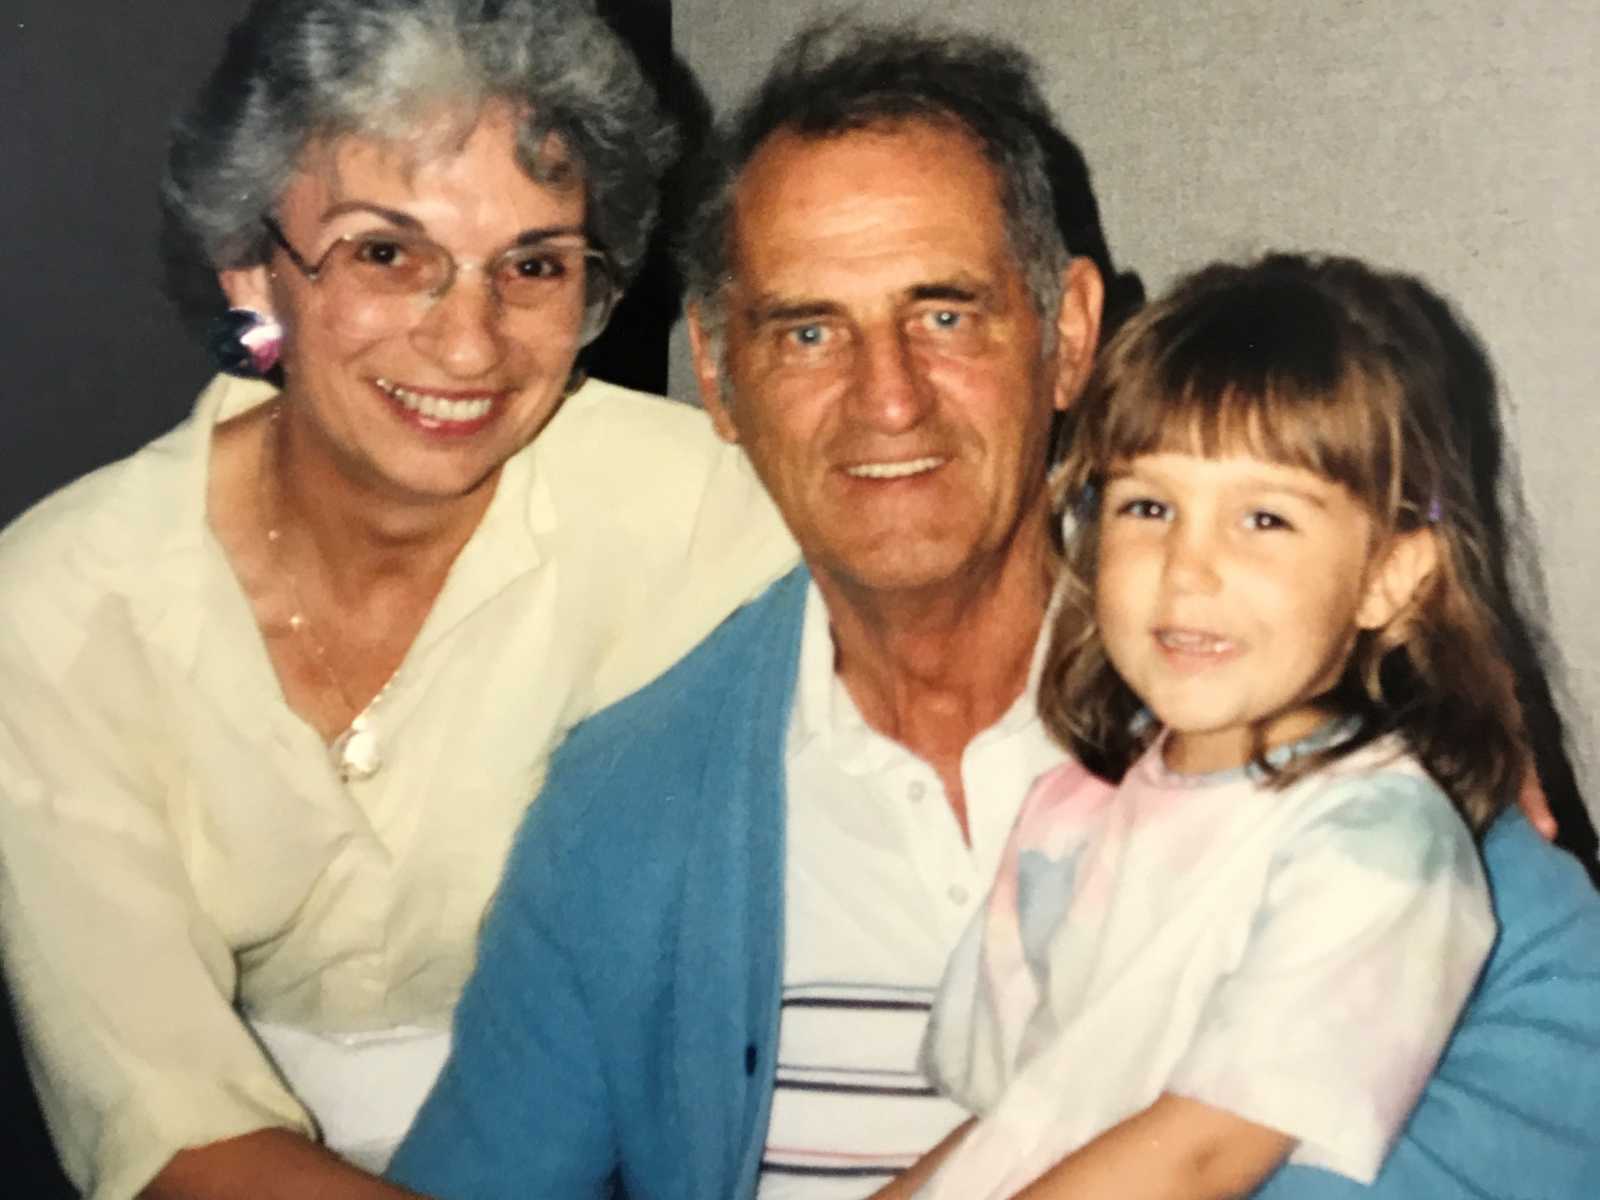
(385, 278)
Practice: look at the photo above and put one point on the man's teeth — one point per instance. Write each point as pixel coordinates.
(1192, 643)
(438, 408)
(893, 470)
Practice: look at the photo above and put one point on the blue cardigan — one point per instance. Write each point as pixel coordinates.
(622, 1022)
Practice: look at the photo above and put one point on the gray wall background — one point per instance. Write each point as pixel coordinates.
(1451, 138)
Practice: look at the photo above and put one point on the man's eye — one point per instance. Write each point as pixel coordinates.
(809, 336)
(947, 323)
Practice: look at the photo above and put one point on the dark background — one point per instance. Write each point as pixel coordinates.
(94, 360)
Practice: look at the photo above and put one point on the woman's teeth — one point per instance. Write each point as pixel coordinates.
(438, 408)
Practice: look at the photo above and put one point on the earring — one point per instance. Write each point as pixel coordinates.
(246, 343)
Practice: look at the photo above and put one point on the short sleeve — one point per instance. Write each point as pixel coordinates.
(122, 985)
(1513, 1111)
(1372, 930)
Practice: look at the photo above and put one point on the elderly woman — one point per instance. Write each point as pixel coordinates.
(278, 687)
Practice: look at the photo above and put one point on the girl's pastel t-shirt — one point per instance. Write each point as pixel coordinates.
(1296, 956)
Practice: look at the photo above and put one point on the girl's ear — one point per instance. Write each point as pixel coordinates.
(1403, 567)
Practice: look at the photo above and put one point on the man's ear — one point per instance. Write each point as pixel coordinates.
(707, 352)
(248, 287)
(1398, 577)
(1083, 295)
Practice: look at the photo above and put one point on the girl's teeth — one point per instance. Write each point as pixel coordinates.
(1199, 643)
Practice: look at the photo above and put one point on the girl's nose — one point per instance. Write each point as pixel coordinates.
(1191, 559)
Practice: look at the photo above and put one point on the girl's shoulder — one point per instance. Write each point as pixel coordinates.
(1378, 805)
(1069, 794)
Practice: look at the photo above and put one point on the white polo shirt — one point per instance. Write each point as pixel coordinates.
(879, 887)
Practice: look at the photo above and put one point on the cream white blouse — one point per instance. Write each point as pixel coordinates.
(176, 851)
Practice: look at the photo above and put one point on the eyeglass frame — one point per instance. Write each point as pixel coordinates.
(313, 272)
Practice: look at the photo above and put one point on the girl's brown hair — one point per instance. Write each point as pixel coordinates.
(1331, 366)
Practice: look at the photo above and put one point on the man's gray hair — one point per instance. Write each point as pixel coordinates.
(303, 71)
(842, 75)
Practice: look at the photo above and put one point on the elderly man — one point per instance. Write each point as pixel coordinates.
(708, 968)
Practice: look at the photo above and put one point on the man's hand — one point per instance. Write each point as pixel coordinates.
(1536, 806)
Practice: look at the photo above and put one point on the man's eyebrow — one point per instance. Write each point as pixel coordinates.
(770, 310)
(958, 290)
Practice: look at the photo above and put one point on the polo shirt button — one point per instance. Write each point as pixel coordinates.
(957, 894)
(916, 791)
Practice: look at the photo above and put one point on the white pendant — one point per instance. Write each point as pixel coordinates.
(357, 753)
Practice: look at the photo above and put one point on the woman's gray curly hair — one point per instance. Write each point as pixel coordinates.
(299, 71)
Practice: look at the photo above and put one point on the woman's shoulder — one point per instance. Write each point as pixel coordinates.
(107, 528)
(631, 428)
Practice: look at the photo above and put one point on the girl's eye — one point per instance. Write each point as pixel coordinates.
(1144, 508)
(1262, 519)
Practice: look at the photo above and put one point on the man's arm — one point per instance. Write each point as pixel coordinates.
(520, 1109)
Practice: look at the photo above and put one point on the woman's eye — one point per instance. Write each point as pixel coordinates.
(539, 266)
(377, 252)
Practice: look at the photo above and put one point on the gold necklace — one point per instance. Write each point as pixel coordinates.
(357, 753)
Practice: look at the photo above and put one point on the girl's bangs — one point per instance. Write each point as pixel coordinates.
(1276, 388)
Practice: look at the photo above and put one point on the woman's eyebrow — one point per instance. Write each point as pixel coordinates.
(544, 233)
(393, 215)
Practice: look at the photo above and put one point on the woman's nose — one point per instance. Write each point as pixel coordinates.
(461, 329)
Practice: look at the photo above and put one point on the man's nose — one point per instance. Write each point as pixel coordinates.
(891, 393)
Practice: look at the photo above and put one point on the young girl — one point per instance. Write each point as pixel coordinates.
(1280, 637)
